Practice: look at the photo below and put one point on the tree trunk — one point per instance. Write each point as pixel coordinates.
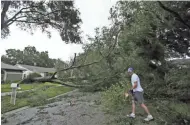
(3, 13)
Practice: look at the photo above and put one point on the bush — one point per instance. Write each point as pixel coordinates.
(50, 73)
(113, 98)
(30, 77)
(178, 112)
(33, 75)
(23, 95)
(177, 84)
(37, 100)
(7, 82)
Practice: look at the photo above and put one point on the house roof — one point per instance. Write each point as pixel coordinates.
(37, 69)
(10, 67)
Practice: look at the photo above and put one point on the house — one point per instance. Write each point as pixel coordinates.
(10, 72)
(35, 69)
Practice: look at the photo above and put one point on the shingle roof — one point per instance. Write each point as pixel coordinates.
(37, 69)
(8, 66)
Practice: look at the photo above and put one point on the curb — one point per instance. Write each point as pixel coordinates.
(26, 107)
(15, 111)
(63, 94)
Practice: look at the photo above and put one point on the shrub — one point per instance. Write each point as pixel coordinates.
(113, 98)
(50, 73)
(33, 75)
(7, 82)
(30, 77)
(177, 83)
(23, 95)
(37, 100)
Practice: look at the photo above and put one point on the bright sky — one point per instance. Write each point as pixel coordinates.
(94, 13)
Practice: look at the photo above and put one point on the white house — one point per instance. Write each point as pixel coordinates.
(34, 69)
(10, 72)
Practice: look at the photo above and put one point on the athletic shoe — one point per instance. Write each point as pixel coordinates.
(148, 118)
(131, 115)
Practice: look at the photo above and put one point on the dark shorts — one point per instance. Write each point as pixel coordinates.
(138, 97)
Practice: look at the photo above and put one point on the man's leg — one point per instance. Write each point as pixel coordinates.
(132, 115)
(149, 117)
(141, 101)
(145, 108)
(133, 107)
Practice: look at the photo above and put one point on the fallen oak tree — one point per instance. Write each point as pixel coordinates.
(55, 80)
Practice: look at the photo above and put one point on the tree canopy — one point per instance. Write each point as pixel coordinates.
(143, 35)
(44, 15)
(29, 56)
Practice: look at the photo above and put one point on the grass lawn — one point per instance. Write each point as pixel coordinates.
(7, 88)
(34, 98)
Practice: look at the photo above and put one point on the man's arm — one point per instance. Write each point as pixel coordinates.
(135, 85)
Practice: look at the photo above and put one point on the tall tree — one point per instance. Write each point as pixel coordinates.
(30, 15)
(140, 44)
(13, 56)
(176, 35)
(29, 56)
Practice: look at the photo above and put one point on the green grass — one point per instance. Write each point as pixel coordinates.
(7, 88)
(6, 106)
(164, 112)
(35, 98)
(24, 87)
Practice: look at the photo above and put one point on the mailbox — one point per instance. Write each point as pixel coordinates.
(14, 85)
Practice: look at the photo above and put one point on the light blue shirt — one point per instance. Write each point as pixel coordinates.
(135, 78)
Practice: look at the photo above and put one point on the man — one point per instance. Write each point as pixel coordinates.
(137, 92)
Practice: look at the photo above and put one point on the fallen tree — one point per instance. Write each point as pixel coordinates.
(59, 81)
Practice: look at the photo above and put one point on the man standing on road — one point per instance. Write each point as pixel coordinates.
(137, 92)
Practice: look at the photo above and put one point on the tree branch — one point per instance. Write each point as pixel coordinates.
(53, 76)
(49, 79)
(111, 49)
(174, 13)
(21, 11)
(41, 12)
(115, 43)
(73, 60)
(69, 85)
(24, 21)
(12, 21)
(74, 67)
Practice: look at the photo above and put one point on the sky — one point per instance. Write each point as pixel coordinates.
(94, 13)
